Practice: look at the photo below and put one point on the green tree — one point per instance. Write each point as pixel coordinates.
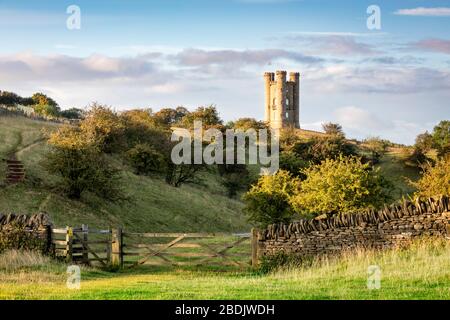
(333, 129)
(290, 161)
(318, 149)
(145, 159)
(249, 123)
(441, 137)
(9, 98)
(341, 185)
(167, 117)
(208, 115)
(81, 166)
(269, 200)
(72, 113)
(424, 142)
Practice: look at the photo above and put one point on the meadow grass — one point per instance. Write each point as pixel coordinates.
(394, 169)
(418, 272)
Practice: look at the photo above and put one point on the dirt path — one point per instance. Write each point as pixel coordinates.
(28, 146)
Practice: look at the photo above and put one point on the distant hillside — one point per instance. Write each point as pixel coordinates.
(154, 205)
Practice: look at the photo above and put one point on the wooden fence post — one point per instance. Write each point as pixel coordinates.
(255, 258)
(85, 232)
(69, 244)
(116, 248)
(109, 247)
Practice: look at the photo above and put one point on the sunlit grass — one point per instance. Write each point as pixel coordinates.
(419, 272)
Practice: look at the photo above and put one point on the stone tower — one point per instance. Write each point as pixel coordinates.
(282, 104)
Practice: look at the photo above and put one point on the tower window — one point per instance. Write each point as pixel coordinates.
(287, 102)
(287, 115)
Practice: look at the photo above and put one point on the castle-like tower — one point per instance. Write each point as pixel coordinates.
(282, 105)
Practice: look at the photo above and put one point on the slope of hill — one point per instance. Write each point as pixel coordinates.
(153, 206)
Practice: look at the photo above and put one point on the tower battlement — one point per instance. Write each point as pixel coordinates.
(282, 99)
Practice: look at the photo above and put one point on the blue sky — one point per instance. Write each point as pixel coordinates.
(393, 82)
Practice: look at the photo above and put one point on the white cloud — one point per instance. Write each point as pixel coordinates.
(426, 12)
(358, 119)
(360, 123)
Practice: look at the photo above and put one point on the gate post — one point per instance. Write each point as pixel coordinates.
(255, 259)
(116, 248)
(85, 231)
(69, 244)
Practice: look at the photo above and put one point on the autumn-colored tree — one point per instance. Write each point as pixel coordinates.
(341, 185)
(270, 199)
(103, 127)
(435, 179)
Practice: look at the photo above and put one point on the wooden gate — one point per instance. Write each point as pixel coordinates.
(130, 249)
(181, 249)
(82, 245)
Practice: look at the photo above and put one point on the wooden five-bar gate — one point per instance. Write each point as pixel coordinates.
(119, 248)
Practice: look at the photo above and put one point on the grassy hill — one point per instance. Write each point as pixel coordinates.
(154, 205)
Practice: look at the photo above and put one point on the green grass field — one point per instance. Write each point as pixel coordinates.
(420, 272)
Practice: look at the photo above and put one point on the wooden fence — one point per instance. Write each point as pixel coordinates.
(82, 245)
(118, 248)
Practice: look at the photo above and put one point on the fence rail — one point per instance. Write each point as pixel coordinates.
(131, 249)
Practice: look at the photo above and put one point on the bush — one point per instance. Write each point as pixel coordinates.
(269, 201)
(291, 162)
(104, 128)
(435, 180)
(341, 185)
(319, 149)
(84, 170)
(145, 159)
(81, 165)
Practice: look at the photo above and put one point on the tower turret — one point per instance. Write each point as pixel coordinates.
(282, 99)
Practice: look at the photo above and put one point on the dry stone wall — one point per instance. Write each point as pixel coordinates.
(20, 231)
(393, 226)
